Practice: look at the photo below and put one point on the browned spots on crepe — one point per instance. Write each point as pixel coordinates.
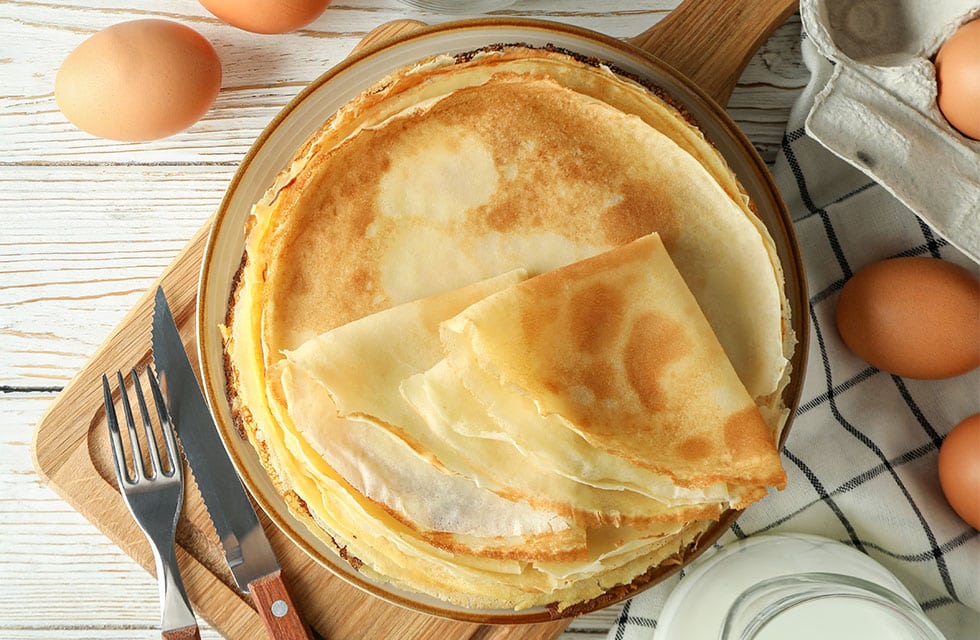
(641, 210)
(655, 342)
(596, 318)
(746, 433)
(548, 145)
(694, 448)
(361, 280)
(329, 216)
(599, 377)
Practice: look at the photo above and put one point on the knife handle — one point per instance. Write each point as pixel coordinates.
(184, 633)
(277, 608)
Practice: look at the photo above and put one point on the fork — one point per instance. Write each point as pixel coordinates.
(153, 498)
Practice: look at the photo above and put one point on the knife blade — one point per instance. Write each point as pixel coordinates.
(250, 557)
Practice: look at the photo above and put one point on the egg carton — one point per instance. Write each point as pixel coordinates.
(878, 108)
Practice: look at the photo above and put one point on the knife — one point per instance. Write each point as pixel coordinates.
(247, 550)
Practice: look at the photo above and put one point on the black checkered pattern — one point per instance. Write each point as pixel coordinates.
(861, 457)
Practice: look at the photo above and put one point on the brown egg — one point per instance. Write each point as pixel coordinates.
(139, 80)
(959, 469)
(958, 75)
(915, 317)
(267, 16)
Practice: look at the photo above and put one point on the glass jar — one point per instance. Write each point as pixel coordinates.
(797, 586)
(824, 605)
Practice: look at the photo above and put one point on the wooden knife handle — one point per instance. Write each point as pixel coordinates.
(184, 633)
(277, 608)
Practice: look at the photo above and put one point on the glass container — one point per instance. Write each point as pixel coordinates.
(824, 605)
(798, 586)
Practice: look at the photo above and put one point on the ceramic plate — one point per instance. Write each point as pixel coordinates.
(298, 120)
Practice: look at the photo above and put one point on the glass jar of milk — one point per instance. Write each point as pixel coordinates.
(803, 587)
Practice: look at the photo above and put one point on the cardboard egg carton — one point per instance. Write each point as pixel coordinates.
(878, 108)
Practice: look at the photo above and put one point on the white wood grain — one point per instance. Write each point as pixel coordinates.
(98, 237)
(87, 224)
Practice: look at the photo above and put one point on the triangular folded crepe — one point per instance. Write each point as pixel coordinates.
(415, 511)
(616, 349)
(362, 366)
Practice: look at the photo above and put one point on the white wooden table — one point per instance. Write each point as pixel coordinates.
(87, 224)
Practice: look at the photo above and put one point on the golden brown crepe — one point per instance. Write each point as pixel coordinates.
(367, 366)
(616, 348)
(451, 180)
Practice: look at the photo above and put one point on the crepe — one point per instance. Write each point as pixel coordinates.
(615, 349)
(367, 368)
(444, 176)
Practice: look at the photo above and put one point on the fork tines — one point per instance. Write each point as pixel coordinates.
(173, 466)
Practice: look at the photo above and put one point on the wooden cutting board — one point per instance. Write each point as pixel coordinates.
(708, 40)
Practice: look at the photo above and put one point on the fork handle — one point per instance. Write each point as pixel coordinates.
(277, 608)
(184, 633)
(176, 616)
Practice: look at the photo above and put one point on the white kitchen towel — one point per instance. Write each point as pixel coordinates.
(861, 456)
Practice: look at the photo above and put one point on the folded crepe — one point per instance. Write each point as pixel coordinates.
(367, 366)
(616, 350)
(338, 394)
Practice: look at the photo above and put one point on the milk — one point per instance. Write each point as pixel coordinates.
(836, 619)
(822, 589)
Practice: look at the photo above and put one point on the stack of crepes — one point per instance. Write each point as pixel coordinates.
(507, 333)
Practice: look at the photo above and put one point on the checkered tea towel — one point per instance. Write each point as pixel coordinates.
(861, 456)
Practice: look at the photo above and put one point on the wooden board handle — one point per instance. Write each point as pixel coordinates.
(711, 41)
(277, 608)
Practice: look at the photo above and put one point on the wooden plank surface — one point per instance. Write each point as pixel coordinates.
(86, 226)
